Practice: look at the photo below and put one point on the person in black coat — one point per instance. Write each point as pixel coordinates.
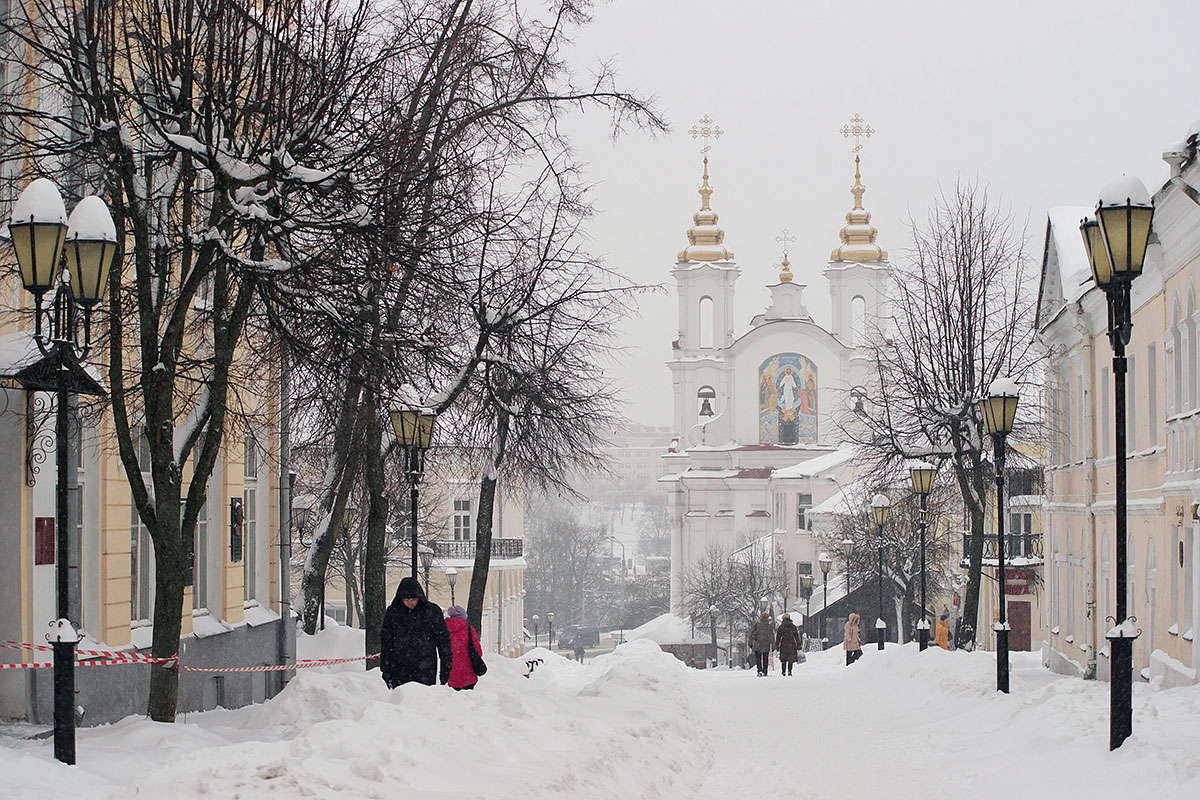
(414, 638)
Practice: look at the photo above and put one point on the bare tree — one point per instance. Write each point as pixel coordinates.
(962, 315)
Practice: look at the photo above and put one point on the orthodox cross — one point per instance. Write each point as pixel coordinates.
(859, 129)
(705, 129)
(785, 238)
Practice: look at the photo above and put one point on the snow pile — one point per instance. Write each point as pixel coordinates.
(665, 629)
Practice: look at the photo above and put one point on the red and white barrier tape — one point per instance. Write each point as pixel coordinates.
(114, 659)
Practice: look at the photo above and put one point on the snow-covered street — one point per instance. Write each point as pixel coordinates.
(637, 723)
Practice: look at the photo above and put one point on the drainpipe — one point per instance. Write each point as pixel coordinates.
(1091, 626)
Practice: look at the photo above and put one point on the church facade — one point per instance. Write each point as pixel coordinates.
(759, 411)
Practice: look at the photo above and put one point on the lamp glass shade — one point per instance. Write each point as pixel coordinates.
(825, 561)
(881, 506)
(549, 616)
(38, 228)
(452, 576)
(848, 547)
(922, 475)
(999, 412)
(1126, 230)
(1097, 253)
(426, 558)
(806, 581)
(414, 427)
(91, 243)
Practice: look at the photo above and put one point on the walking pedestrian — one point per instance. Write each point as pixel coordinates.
(762, 641)
(942, 634)
(414, 638)
(852, 643)
(462, 641)
(788, 641)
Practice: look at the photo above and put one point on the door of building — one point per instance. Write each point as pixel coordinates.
(1018, 621)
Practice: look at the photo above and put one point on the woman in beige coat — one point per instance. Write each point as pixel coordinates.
(853, 641)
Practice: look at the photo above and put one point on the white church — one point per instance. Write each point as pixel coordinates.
(757, 410)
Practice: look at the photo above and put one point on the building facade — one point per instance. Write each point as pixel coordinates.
(1163, 443)
(749, 405)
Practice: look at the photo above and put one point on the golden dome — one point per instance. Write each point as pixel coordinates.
(858, 234)
(705, 236)
(785, 276)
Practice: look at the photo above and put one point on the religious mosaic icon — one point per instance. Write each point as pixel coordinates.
(787, 400)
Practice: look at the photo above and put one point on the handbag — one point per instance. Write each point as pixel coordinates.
(477, 664)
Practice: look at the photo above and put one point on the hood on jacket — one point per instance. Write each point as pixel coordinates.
(409, 587)
(853, 618)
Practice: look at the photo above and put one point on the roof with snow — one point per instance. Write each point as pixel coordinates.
(666, 629)
(818, 465)
(1066, 272)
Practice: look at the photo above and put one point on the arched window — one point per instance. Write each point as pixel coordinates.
(706, 402)
(706, 322)
(1173, 567)
(1151, 592)
(858, 320)
(1179, 359)
(1193, 396)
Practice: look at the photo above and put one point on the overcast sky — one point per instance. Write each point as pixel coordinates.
(1044, 102)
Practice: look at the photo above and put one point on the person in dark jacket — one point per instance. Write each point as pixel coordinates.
(788, 641)
(414, 638)
(762, 641)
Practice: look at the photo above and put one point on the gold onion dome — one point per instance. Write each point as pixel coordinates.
(705, 236)
(858, 234)
(785, 275)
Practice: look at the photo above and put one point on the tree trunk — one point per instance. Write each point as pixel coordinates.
(483, 526)
(374, 569)
(168, 610)
(972, 485)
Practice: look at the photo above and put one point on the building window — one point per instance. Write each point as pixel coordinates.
(1189, 545)
(1152, 395)
(1131, 405)
(462, 520)
(199, 562)
(1105, 424)
(706, 401)
(1194, 398)
(141, 550)
(706, 322)
(1179, 358)
(803, 504)
(250, 524)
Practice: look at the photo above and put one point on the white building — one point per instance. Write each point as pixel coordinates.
(752, 407)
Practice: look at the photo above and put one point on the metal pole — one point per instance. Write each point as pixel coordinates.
(923, 630)
(1121, 689)
(880, 633)
(824, 608)
(1002, 629)
(412, 499)
(64, 651)
(287, 630)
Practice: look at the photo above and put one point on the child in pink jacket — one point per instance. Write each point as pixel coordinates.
(462, 636)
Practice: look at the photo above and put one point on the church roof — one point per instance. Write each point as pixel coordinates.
(815, 466)
(858, 234)
(705, 237)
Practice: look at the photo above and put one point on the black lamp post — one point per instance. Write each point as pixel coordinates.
(451, 578)
(847, 551)
(536, 620)
(1116, 241)
(550, 626)
(39, 230)
(999, 411)
(826, 562)
(712, 621)
(881, 507)
(923, 475)
(426, 563)
(806, 590)
(414, 432)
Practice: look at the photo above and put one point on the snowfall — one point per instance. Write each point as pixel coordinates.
(637, 723)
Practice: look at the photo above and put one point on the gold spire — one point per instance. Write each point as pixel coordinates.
(858, 234)
(785, 275)
(705, 236)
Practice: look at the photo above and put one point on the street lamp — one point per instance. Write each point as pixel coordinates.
(426, 563)
(414, 432)
(550, 626)
(881, 507)
(806, 589)
(39, 229)
(536, 620)
(922, 475)
(451, 577)
(999, 411)
(712, 621)
(1116, 240)
(847, 551)
(826, 562)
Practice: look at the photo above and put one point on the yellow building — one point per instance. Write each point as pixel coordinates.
(1163, 442)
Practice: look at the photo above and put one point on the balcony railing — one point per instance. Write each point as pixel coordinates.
(1028, 546)
(465, 549)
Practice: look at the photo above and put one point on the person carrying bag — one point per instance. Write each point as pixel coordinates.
(467, 662)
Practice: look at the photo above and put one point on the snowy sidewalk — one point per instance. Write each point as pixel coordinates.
(638, 724)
